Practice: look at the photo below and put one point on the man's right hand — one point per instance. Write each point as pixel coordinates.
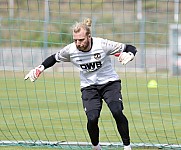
(35, 73)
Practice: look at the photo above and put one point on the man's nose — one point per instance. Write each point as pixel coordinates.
(78, 42)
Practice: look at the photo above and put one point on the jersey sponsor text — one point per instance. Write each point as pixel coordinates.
(93, 66)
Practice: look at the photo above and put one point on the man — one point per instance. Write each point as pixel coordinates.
(99, 80)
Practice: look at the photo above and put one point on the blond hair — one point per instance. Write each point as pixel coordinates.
(85, 24)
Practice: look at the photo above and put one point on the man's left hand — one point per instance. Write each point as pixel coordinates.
(125, 57)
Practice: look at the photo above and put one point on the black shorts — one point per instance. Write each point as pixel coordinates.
(92, 95)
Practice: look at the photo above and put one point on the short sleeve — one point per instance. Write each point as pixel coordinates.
(63, 54)
(112, 47)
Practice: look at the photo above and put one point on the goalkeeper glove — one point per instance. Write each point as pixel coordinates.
(35, 73)
(125, 57)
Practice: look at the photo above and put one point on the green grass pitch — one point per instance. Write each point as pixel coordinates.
(51, 109)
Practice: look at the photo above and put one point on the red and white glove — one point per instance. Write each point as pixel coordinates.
(125, 57)
(35, 73)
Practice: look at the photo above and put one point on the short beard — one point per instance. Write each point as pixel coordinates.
(85, 48)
